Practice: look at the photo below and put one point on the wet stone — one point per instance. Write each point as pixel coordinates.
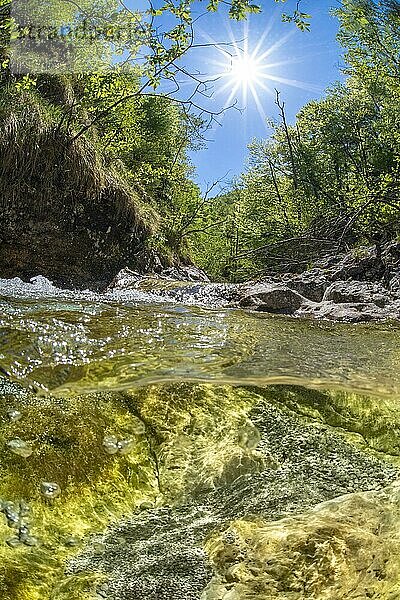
(14, 415)
(126, 446)
(30, 540)
(5, 506)
(72, 542)
(146, 505)
(20, 447)
(12, 518)
(24, 508)
(110, 444)
(50, 489)
(163, 554)
(23, 530)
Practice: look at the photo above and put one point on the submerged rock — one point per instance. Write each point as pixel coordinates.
(20, 447)
(14, 415)
(110, 444)
(345, 548)
(50, 490)
(163, 554)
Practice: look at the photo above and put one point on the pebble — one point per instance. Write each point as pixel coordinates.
(29, 540)
(6, 505)
(99, 547)
(14, 415)
(19, 447)
(110, 444)
(50, 489)
(13, 542)
(146, 505)
(126, 446)
(24, 508)
(72, 542)
(12, 518)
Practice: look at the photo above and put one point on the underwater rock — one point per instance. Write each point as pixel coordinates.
(347, 547)
(50, 490)
(110, 444)
(162, 557)
(29, 540)
(13, 542)
(14, 415)
(159, 553)
(20, 447)
(126, 446)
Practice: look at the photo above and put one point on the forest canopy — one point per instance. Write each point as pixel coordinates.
(331, 180)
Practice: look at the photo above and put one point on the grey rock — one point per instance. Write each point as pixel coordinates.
(50, 489)
(344, 312)
(271, 298)
(29, 540)
(394, 284)
(185, 273)
(310, 284)
(110, 444)
(357, 292)
(20, 447)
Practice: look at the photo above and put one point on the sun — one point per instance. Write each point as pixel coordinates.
(245, 70)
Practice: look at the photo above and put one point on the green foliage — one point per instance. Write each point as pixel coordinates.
(332, 179)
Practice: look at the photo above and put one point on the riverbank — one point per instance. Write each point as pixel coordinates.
(357, 286)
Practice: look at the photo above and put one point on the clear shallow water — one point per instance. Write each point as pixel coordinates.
(169, 448)
(78, 342)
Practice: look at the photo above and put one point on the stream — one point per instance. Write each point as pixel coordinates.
(157, 445)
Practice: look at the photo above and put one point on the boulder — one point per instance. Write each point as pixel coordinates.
(361, 264)
(272, 298)
(357, 292)
(345, 312)
(310, 284)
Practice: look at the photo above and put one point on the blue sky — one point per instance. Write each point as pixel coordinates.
(311, 60)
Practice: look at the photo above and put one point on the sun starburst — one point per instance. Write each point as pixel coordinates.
(246, 75)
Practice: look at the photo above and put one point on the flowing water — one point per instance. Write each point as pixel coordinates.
(157, 445)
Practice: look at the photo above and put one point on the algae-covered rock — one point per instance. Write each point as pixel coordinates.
(346, 548)
(160, 553)
(65, 488)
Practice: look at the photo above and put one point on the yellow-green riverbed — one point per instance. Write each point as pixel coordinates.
(152, 450)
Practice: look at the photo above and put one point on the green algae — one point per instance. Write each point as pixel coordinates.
(96, 488)
(369, 422)
(345, 548)
(186, 441)
(133, 408)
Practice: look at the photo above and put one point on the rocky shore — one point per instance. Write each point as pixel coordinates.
(358, 286)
